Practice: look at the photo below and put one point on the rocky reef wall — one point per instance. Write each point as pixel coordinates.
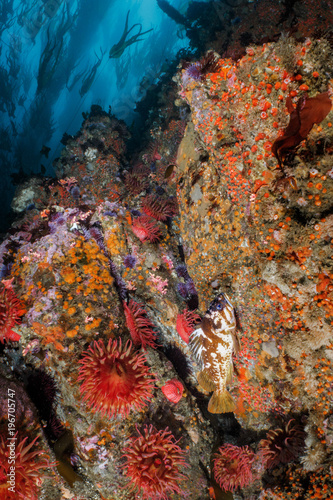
(107, 275)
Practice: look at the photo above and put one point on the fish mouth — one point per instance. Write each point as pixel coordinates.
(223, 300)
(226, 298)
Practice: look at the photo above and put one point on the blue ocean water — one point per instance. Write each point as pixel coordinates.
(54, 64)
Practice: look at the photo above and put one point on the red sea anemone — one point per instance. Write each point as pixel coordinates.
(185, 324)
(115, 378)
(282, 445)
(158, 208)
(173, 390)
(153, 460)
(136, 182)
(233, 466)
(26, 465)
(139, 325)
(144, 228)
(11, 310)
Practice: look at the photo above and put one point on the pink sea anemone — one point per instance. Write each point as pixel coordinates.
(282, 445)
(145, 229)
(153, 462)
(185, 323)
(139, 325)
(173, 390)
(27, 466)
(233, 466)
(11, 310)
(115, 378)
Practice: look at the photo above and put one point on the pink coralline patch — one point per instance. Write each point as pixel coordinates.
(139, 325)
(145, 229)
(233, 467)
(173, 390)
(11, 310)
(158, 208)
(115, 378)
(185, 323)
(153, 460)
(28, 468)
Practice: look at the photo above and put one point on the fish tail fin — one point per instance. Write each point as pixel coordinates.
(221, 402)
(206, 383)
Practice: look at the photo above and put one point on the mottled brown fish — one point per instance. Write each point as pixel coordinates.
(213, 344)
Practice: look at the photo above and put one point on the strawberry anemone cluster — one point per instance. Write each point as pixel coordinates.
(115, 378)
(153, 462)
(233, 467)
(28, 468)
(11, 310)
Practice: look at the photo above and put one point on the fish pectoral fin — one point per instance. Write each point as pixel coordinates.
(206, 383)
(230, 373)
(221, 402)
(236, 341)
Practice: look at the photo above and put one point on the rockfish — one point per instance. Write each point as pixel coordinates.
(213, 344)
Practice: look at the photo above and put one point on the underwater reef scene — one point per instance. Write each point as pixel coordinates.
(166, 304)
